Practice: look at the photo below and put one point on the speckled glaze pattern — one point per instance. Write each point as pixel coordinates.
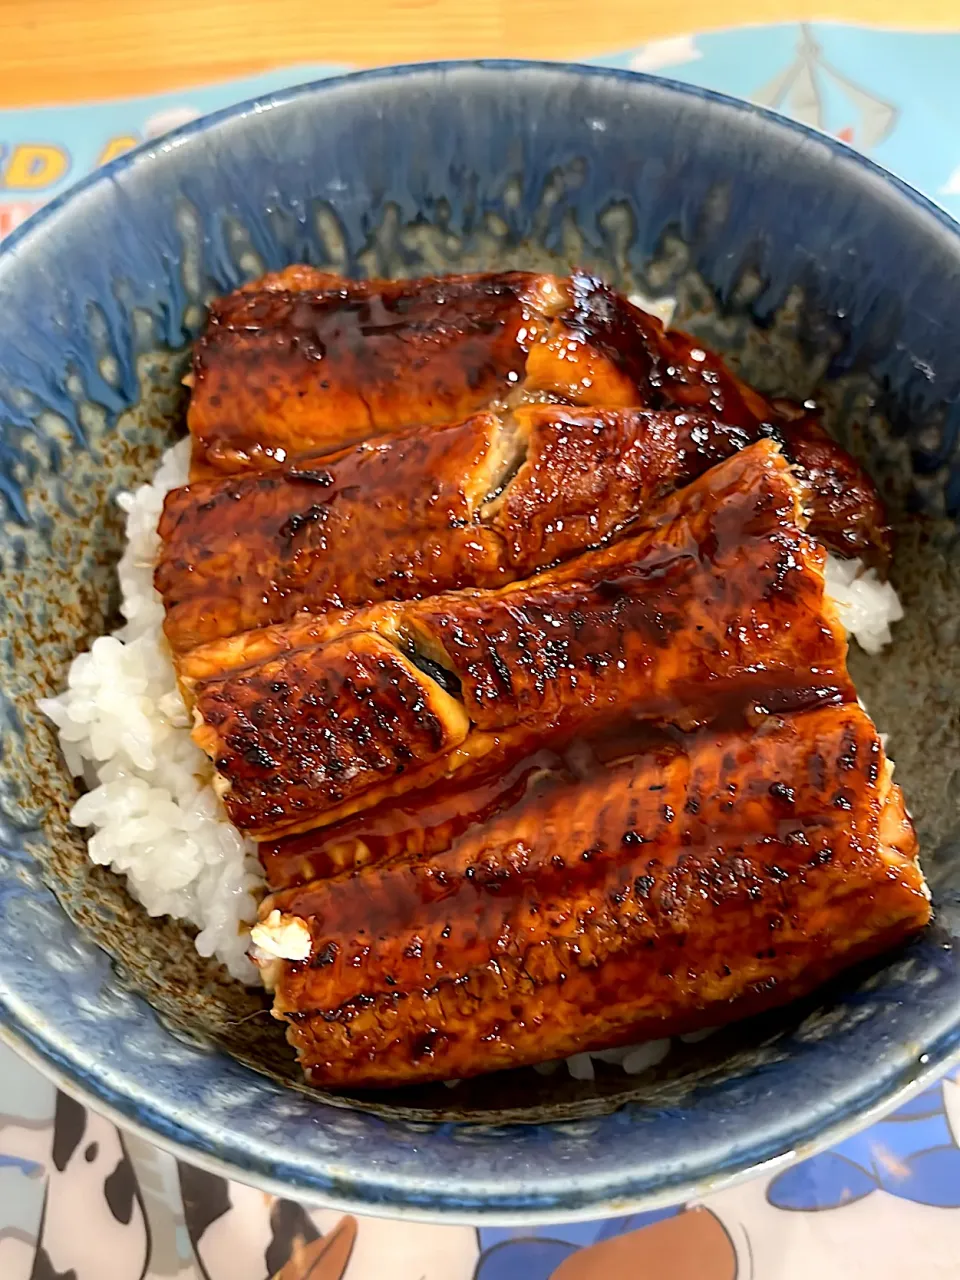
(819, 274)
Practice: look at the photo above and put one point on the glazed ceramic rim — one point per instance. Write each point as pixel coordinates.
(611, 1206)
(385, 1193)
(281, 97)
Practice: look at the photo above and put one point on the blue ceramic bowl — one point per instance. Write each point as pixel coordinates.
(819, 273)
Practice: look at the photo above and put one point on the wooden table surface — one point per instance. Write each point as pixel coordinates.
(54, 51)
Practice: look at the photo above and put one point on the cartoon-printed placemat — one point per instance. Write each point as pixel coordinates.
(80, 1201)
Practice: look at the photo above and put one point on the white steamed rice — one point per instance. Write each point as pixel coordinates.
(155, 817)
(125, 730)
(866, 605)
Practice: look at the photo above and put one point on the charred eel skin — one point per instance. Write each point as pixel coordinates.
(718, 601)
(429, 509)
(281, 371)
(677, 884)
(307, 362)
(501, 613)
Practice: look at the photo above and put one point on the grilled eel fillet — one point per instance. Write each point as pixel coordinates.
(718, 601)
(283, 371)
(475, 504)
(306, 362)
(647, 890)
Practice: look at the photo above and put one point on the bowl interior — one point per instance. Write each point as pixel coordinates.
(666, 192)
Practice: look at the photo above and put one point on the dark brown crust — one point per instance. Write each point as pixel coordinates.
(591, 473)
(428, 820)
(610, 902)
(719, 604)
(387, 519)
(846, 512)
(405, 516)
(313, 727)
(552, 752)
(284, 371)
(305, 361)
(672, 369)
